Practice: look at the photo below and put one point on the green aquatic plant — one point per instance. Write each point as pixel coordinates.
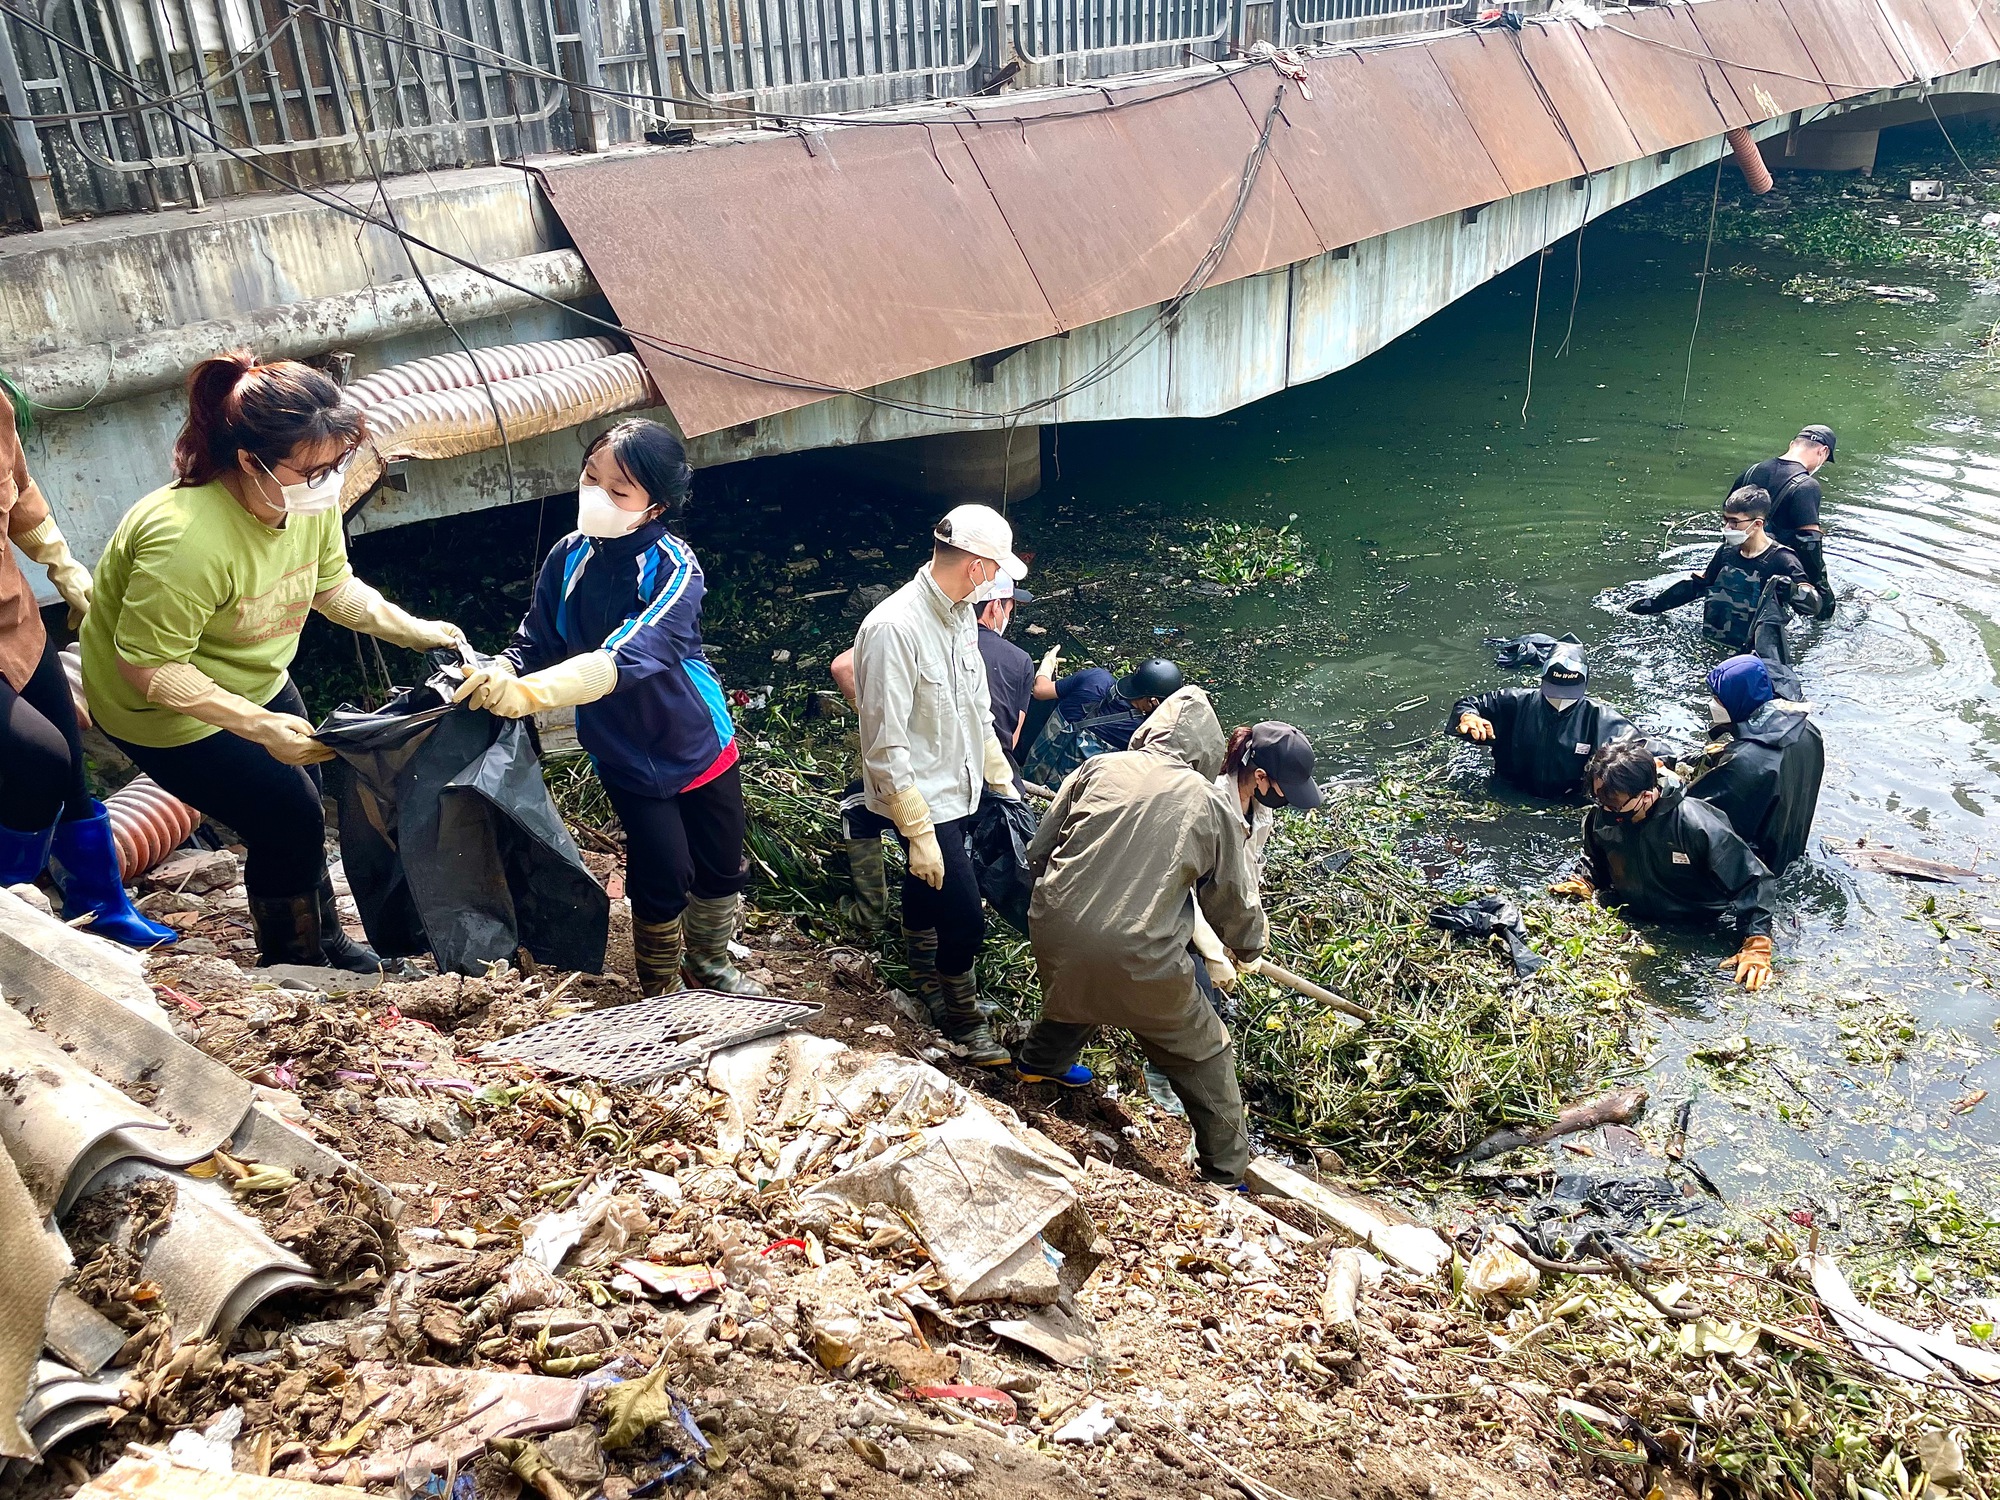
(1237, 555)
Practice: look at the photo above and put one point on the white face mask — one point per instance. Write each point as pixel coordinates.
(308, 499)
(1717, 714)
(1733, 537)
(598, 515)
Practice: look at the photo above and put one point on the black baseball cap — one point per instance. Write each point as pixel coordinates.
(1818, 433)
(1567, 676)
(1286, 756)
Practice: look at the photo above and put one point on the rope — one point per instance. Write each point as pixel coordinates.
(1701, 292)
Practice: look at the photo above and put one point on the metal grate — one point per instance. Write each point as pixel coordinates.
(649, 1039)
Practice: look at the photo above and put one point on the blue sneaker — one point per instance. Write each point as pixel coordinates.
(1075, 1076)
(91, 885)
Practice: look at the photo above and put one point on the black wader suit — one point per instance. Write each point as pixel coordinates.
(1765, 780)
(1536, 746)
(1682, 863)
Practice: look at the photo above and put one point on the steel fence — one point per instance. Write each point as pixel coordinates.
(744, 49)
(1312, 20)
(1070, 30)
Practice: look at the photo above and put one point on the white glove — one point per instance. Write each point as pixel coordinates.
(71, 657)
(1051, 663)
(1214, 952)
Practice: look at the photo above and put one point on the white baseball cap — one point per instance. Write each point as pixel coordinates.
(984, 532)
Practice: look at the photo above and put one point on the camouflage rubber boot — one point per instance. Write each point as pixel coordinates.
(965, 1022)
(920, 950)
(870, 902)
(710, 923)
(656, 956)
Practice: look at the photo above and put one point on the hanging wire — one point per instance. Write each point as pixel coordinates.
(1576, 276)
(1687, 378)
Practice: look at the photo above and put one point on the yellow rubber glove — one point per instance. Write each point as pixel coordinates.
(359, 607)
(1576, 888)
(1475, 728)
(912, 817)
(45, 544)
(581, 679)
(187, 689)
(1214, 952)
(1752, 963)
(999, 771)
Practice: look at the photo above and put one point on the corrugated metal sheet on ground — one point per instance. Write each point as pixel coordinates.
(1761, 55)
(1114, 209)
(1512, 117)
(1554, 54)
(1850, 44)
(873, 254)
(1668, 97)
(1381, 143)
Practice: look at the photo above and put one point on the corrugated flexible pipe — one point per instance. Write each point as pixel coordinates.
(1756, 176)
(503, 362)
(147, 824)
(451, 422)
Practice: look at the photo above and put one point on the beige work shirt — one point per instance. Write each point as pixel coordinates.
(920, 685)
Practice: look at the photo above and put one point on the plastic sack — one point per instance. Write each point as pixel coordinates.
(1060, 748)
(1001, 832)
(1498, 1272)
(450, 840)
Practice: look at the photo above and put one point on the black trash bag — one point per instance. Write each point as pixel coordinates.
(1522, 652)
(1001, 831)
(1484, 918)
(450, 840)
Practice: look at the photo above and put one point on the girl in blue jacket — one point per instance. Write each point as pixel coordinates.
(615, 629)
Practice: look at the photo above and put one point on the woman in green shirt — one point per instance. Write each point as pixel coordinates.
(196, 613)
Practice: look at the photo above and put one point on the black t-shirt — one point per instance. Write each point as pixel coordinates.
(1795, 495)
(1010, 680)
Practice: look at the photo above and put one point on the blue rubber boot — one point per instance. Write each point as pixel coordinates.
(22, 855)
(91, 887)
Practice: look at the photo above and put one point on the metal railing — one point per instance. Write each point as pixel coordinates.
(121, 105)
(1046, 31)
(744, 49)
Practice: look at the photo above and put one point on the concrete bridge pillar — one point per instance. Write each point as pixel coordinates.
(1822, 150)
(986, 465)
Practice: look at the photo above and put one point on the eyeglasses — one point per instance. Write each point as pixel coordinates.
(314, 476)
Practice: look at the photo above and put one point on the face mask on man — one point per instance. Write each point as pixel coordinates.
(1271, 797)
(1734, 536)
(598, 515)
(310, 497)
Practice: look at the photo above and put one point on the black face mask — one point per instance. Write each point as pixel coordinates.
(1628, 814)
(1272, 798)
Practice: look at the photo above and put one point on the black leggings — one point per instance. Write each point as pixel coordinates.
(956, 910)
(41, 756)
(274, 808)
(691, 843)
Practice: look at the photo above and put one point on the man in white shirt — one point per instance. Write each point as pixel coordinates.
(928, 750)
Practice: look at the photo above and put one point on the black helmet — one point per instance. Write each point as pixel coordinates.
(1158, 678)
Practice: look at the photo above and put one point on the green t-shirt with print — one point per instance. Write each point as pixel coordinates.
(192, 576)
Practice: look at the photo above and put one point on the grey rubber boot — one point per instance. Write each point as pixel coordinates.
(287, 929)
(920, 952)
(870, 907)
(965, 1023)
(656, 956)
(710, 924)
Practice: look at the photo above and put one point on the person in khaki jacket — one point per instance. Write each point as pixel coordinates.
(1136, 842)
(45, 806)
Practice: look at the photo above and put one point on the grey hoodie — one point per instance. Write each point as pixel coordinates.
(1134, 838)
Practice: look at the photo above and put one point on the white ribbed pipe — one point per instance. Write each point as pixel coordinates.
(446, 372)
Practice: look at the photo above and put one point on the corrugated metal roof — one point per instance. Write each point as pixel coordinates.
(1768, 66)
(1513, 118)
(845, 259)
(1109, 222)
(849, 256)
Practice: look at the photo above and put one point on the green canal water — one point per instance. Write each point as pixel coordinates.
(1436, 517)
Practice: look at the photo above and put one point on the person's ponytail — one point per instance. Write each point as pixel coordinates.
(1237, 759)
(236, 405)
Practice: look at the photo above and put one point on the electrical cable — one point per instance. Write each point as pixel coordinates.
(1947, 137)
(1687, 379)
(1727, 62)
(1534, 329)
(1576, 276)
